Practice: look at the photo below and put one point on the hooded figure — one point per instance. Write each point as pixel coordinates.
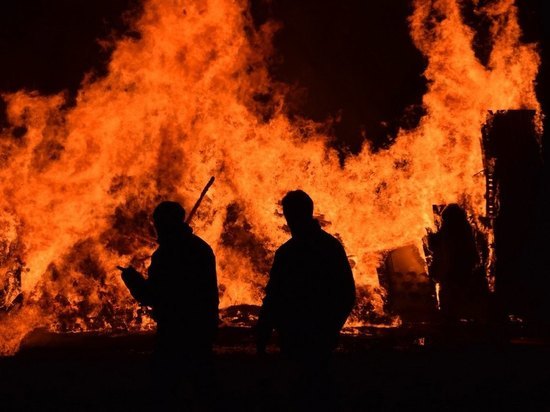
(463, 289)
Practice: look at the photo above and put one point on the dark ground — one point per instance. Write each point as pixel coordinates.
(385, 369)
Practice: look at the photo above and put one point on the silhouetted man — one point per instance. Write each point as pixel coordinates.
(181, 289)
(310, 292)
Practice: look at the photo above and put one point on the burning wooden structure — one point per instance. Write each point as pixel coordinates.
(513, 161)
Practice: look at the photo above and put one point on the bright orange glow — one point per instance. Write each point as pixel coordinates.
(176, 108)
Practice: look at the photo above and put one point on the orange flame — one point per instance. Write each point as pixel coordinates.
(176, 107)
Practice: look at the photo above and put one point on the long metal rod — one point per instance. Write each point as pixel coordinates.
(198, 202)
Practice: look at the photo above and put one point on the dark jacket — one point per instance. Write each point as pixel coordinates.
(181, 289)
(454, 266)
(310, 294)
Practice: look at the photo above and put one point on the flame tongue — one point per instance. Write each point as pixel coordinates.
(177, 107)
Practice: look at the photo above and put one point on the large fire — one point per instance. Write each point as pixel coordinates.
(177, 106)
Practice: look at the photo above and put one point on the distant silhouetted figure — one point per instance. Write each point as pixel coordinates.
(462, 288)
(310, 292)
(181, 289)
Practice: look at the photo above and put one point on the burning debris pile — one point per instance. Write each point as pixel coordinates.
(177, 106)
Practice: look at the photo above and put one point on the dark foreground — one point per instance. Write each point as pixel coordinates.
(384, 370)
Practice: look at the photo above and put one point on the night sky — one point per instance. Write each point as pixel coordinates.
(351, 60)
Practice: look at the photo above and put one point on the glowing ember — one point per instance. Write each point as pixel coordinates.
(176, 108)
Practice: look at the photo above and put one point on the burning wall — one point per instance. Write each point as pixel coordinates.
(177, 106)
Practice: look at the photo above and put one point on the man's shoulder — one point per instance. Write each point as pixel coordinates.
(284, 248)
(200, 245)
(322, 237)
(329, 239)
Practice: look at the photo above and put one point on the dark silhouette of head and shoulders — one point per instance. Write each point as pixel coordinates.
(171, 228)
(298, 213)
(311, 291)
(463, 289)
(181, 286)
(455, 242)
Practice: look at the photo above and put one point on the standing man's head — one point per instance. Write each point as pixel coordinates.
(298, 211)
(168, 219)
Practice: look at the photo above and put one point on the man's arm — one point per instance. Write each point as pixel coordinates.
(345, 287)
(212, 289)
(266, 318)
(137, 285)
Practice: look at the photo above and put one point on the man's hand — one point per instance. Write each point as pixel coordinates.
(136, 284)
